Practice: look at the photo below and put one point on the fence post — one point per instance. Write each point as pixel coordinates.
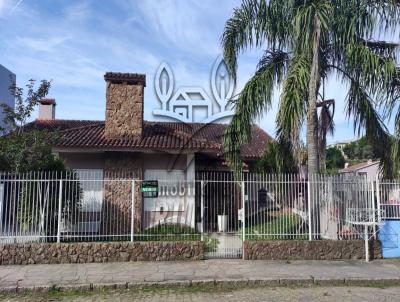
(371, 183)
(243, 213)
(202, 209)
(309, 208)
(366, 243)
(59, 212)
(378, 199)
(133, 210)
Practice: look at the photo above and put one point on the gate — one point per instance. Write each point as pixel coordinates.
(221, 204)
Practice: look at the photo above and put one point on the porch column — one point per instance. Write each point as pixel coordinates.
(119, 170)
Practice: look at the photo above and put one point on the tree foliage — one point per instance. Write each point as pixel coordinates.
(22, 147)
(361, 149)
(334, 159)
(301, 64)
(392, 107)
(26, 151)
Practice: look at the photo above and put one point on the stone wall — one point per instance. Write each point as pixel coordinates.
(309, 250)
(47, 253)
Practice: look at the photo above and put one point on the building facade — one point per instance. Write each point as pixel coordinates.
(7, 79)
(125, 146)
(369, 169)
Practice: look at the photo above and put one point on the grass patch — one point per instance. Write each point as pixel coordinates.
(177, 232)
(55, 294)
(162, 232)
(281, 227)
(210, 244)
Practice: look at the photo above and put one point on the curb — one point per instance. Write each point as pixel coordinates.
(206, 283)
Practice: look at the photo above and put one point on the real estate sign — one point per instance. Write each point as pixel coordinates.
(149, 188)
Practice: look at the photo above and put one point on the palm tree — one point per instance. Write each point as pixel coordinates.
(308, 42)
(393, 106)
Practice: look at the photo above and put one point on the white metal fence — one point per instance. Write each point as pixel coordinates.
(388, 197)
(213, 207)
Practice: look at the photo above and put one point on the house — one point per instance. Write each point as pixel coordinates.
(341, 144)
(370, 169)
(7, 79)
(125, 146)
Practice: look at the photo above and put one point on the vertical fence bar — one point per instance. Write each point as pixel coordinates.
(309, 208)
(378, 199)
(133, 210)
(202, 209)
(372, 200)
(59, 212)
(366, 243)
(244, 214)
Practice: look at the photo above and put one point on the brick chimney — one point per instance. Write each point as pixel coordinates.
(47, 109)
(124, 105)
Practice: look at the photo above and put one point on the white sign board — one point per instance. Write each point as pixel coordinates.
(240, 214)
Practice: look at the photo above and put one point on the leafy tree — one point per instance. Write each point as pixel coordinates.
(308, 43)
(350, 150)
(24, 148)
(361, 150)
(334, 159)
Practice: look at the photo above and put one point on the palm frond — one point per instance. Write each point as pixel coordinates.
(304, 20)
(360, 106)
(386, 11)
(374, 71)
(255, 98)
(396, 147)
(241, 31)
(254, 23)
(293, 101)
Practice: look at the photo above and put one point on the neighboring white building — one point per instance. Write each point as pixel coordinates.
(341, 144)
(369, 169)
(7, 78)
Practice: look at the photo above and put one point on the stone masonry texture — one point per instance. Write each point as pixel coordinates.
(117, 207)
(309, 250)
(54, 253)
(124, 121)
(124, 110)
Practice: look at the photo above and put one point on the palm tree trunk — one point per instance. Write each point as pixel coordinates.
(312, 116)
(312, 130)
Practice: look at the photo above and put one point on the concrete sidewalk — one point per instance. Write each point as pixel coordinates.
(140, 274)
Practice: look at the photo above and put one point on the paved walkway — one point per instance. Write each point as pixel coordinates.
(133, 274)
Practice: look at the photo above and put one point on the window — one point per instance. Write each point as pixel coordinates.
(91, 184)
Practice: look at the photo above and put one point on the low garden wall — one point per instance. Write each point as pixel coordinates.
(47, 253)
(309, 250)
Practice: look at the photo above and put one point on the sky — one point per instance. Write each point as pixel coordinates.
(73, 43)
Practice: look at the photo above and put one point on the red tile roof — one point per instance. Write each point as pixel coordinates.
(172, 136)
(59, 124)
